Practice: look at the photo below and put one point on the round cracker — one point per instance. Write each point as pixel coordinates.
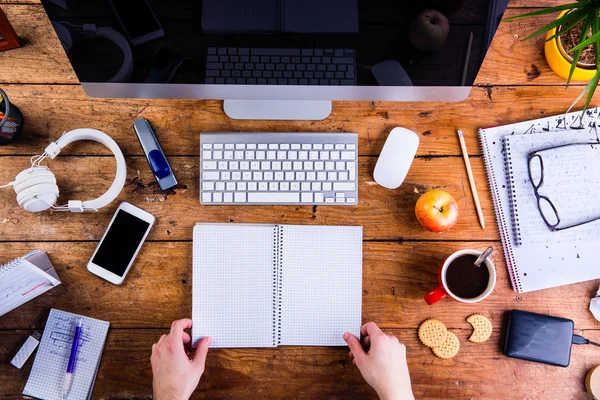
(449, 348)
(432, 332)
(482, 328)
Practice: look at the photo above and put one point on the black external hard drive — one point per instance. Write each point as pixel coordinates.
(539, 337)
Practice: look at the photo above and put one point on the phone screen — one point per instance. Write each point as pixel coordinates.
(120, 243)
(136, 16)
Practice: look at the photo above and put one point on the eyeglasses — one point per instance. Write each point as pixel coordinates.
(547, 209)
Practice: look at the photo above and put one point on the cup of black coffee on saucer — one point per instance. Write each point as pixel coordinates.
(460, 278)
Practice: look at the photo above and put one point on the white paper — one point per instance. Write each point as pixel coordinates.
(571, 182)
(595, 305)
(51, 360)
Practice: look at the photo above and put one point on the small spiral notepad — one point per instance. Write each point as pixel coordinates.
(48, 371)
(270, 285)
(24, 279)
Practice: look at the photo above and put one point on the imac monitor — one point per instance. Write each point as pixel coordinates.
(275, 59)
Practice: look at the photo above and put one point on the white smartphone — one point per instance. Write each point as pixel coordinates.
(121, 243)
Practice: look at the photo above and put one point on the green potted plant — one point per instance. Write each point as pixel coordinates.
(572, 45)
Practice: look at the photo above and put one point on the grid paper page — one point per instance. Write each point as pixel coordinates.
(322, 284)
(570, 181)
(48, 371)
(232, 285)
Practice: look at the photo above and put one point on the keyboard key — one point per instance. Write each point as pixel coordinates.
(220, 186)
(344, 186)
(208, 186)
(305, 186)
(327, 186)
(307, 197)
(340, 200)
(228, 197)
(329, 200)
(230, 186)
(241, 186)
(350, 200)
(273, 186)
(240, 197)
(210, 176)
(217, 197)
(295, 186)
(252, 186)
(208, 165)
(262, 186)
(206, 197)
(206, 155)
(272, 198)
(319, 198)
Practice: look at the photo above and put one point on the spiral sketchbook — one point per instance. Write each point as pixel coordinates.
(270, 285)
(571, 181)
(532, 265)
(24, 279)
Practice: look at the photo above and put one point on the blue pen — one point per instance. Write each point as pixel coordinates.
(69, 374)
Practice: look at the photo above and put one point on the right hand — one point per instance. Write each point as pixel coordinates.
(381, 360)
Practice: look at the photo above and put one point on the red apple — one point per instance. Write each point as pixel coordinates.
(437, 211)
(429, 30)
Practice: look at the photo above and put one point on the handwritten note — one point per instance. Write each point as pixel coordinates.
(47, 374)
(571, 180)
(24, 279)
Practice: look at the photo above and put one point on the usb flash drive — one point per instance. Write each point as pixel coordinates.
(154, 153)
(25, 351)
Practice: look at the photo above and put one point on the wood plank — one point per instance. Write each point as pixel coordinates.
(478, 371)
(396, 276)
(42, 60)
(385, 214)
(51, 110)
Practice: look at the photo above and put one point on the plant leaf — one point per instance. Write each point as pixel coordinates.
(587, 42)
(560, 21)
(591, 89)
(577, 55)
(548, 10)
(567, 27)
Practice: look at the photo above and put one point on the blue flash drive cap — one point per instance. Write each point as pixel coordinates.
(158, 163)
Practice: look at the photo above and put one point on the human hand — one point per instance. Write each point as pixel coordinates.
(381, 360)
(175, 375)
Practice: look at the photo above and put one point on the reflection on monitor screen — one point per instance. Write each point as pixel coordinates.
(371, 43)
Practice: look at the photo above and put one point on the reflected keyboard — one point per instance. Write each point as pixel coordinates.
(265, 66)
(279, 168)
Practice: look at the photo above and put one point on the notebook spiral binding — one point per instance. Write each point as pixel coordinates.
(512, 194)
(502, 226)
(11, 264)
(277, 289)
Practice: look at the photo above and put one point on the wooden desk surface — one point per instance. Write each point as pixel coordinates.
(400, 258)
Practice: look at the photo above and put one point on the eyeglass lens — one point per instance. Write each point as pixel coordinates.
(535, 170)
(548, 211)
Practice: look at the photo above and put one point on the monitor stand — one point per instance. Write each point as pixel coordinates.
(293, 110)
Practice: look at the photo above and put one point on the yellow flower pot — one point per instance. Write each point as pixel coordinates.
(560, 61)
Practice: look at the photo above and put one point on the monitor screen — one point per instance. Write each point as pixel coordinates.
(277, 42)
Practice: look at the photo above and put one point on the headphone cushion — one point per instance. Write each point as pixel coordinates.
(46, 191)
(31, 177)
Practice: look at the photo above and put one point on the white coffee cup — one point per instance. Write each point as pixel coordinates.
(443, 291)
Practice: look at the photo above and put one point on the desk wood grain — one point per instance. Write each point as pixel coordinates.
(400, 258)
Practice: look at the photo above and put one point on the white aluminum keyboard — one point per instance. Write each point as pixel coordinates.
(279, 168)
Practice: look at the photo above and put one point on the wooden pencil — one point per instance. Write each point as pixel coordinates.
(463, 147)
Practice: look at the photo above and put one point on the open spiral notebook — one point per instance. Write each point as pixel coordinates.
(270, 285)
(532, 262)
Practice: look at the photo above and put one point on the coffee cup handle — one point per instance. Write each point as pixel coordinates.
(438, 294)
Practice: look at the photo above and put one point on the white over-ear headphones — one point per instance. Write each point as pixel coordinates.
(91, 30)
(36, 187)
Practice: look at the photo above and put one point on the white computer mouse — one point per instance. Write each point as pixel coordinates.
(396, 157)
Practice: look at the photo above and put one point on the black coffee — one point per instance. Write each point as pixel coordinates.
(466, 280)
